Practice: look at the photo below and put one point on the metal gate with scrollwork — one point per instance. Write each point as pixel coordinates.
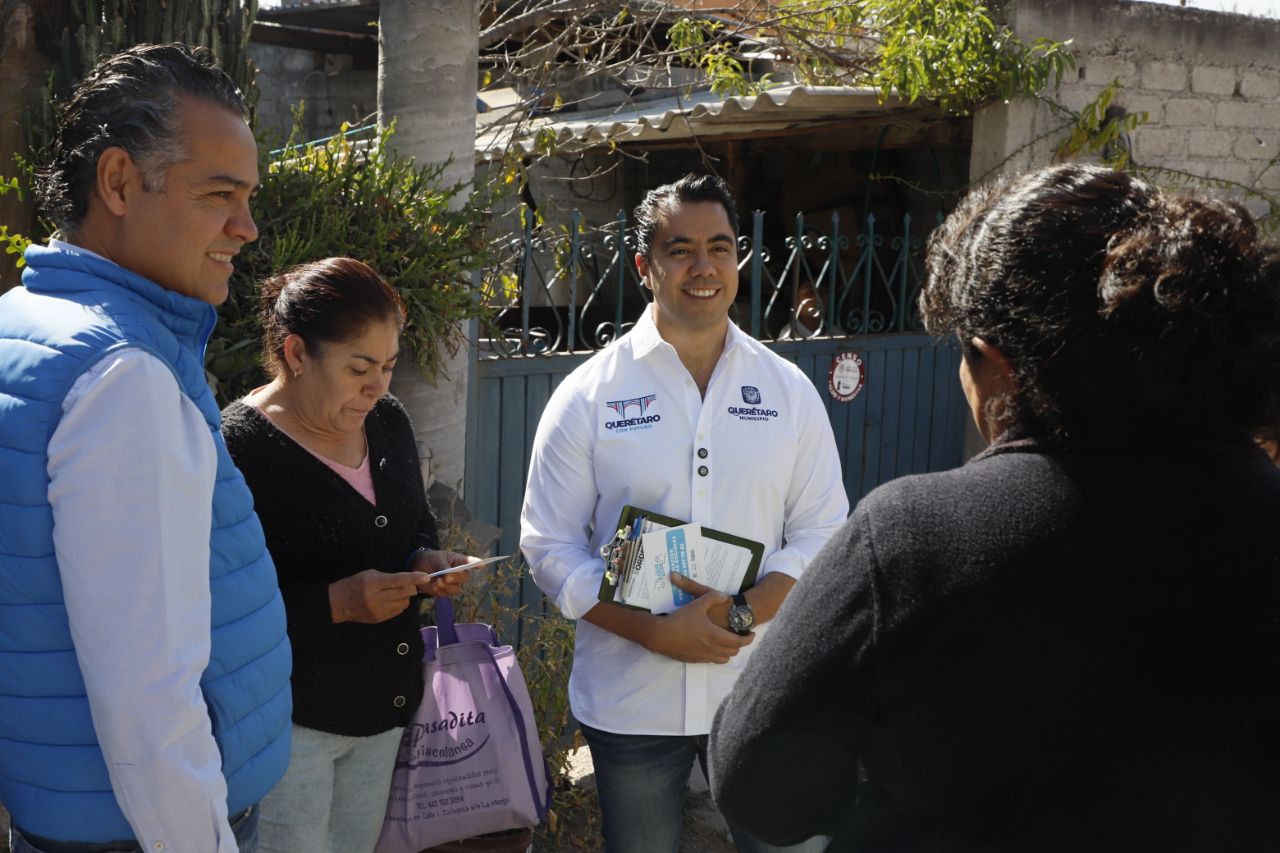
(569, 293)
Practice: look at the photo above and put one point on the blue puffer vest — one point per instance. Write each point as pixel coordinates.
(70, 312)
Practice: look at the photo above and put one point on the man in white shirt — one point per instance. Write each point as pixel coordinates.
(728, 435)
(144, 665)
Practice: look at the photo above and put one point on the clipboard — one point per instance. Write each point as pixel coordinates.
(620, 553)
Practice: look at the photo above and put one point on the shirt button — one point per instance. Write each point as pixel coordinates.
(380, 521)
(402, 649)
(703, 470)
(702, 453)
(159, 845)
(398, 701)
(702, 493)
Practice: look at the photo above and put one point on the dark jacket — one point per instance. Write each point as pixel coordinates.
(1035, 652)
(348, 679)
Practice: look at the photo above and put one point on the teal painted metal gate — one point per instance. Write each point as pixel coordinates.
(831, 294)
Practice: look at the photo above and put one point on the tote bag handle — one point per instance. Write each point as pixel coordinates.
(445, 629)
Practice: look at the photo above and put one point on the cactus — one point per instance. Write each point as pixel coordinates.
(98, 28)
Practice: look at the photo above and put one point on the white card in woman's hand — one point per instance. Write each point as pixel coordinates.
(466, 566)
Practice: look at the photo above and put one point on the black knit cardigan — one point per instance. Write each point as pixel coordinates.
(349, 679)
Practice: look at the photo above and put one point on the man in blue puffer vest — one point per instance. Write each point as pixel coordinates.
(144, 668)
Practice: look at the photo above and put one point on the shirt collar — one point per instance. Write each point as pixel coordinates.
(644, 335)
(645, 338)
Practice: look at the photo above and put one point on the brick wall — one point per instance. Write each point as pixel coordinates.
(1209, 82)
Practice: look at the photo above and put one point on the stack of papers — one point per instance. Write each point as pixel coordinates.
(649, 548)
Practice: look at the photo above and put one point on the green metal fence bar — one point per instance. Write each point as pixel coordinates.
(526, 259)
(757, 268)
(575, 256)
(807, 293)
(903, 266)
(622, 271)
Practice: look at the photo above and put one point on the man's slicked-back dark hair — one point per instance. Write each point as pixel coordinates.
(690, 189)
(129, 101)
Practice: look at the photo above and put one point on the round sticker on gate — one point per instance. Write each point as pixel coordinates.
(848, 375)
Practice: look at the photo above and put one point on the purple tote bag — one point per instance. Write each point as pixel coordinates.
(470, 762)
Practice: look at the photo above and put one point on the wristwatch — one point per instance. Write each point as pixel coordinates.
(741, 617)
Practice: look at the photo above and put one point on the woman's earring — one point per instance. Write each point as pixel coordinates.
(297, 373)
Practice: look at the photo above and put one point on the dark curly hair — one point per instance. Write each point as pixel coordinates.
(323, 302)
(129, 101)
(690, 189)
(1127, 314)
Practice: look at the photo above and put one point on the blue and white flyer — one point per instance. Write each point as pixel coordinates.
(684, 550)
(672, 550)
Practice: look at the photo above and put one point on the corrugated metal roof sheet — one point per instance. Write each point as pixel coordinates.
(701, 114)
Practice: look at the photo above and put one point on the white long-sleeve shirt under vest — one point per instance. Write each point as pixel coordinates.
(131, 469)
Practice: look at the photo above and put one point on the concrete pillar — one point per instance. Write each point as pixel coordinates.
(427, 55)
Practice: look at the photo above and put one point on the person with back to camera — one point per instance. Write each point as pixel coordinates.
(335, 473)
(1069, 643)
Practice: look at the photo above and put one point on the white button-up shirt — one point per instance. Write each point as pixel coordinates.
(755, 458)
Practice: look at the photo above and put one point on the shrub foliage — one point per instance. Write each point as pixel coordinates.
(359, 199)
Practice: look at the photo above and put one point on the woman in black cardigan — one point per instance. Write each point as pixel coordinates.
(1072, 642)
(331, 461)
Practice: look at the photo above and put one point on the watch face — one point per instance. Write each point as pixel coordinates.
(741, 619)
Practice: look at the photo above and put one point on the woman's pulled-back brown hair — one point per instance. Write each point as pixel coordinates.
(324, 302)
(1128, 315)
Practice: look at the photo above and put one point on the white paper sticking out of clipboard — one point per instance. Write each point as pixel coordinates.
(683, 550)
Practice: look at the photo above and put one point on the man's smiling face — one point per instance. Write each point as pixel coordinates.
(692, 268)
(184, 236)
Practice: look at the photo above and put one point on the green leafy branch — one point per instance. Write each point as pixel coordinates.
(703, 44)
(955, 54)
(951, 52)
(14, 244)
(356, 197)
(1098, 130)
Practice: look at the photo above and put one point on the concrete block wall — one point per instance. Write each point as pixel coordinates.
(334, 92)
(1208, 81)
